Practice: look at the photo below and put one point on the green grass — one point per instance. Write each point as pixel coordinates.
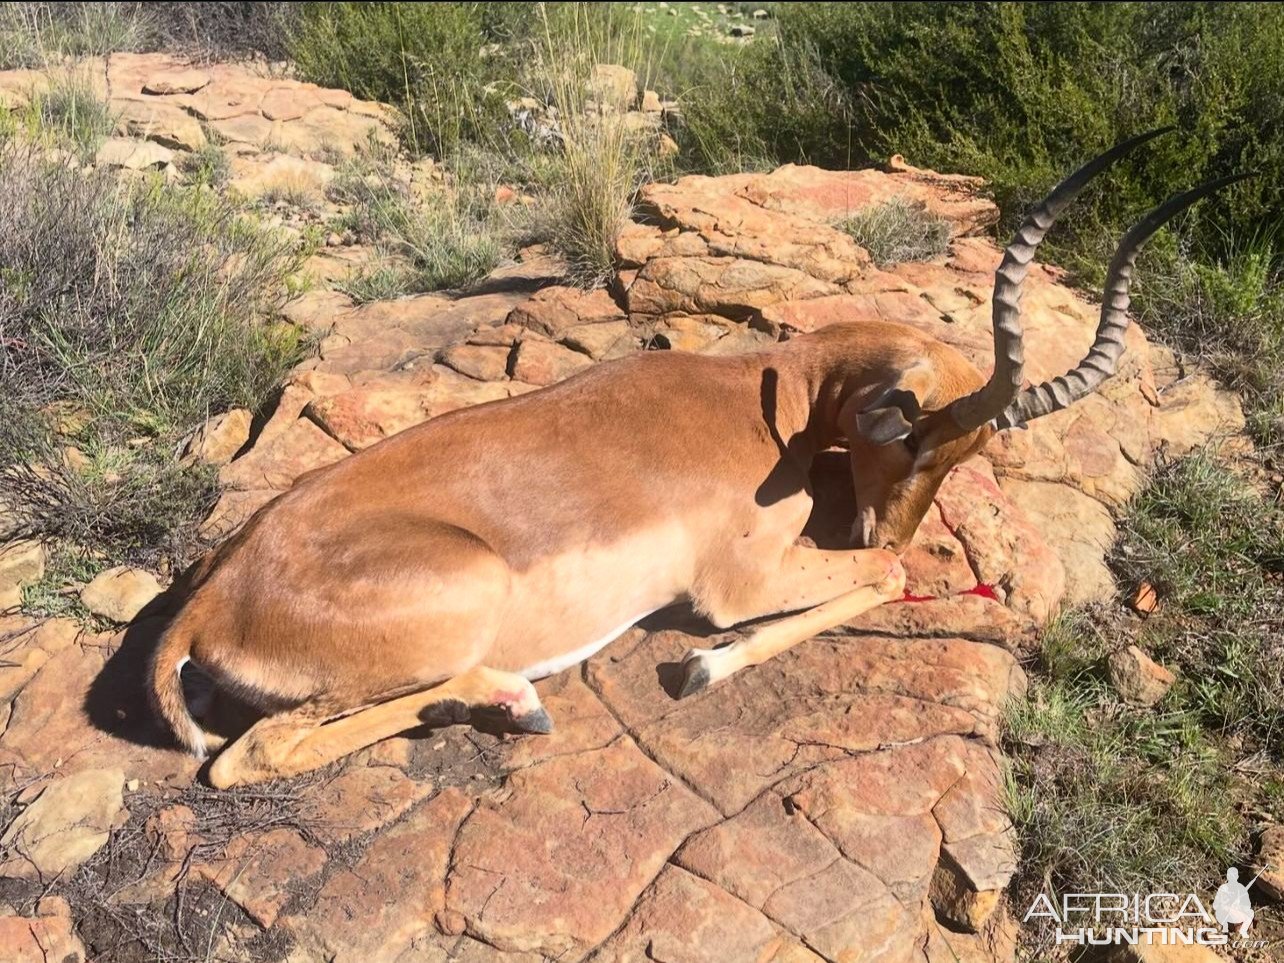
(589, 185)
(208, 165)
(1214, 548)
(1111, 797)
(1228, 313)
(70, 113)
(897, 231)
(425, 58)
(446, 239)
(56, 594)
(39, 34)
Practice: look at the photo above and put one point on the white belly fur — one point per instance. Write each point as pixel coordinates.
(552, 666)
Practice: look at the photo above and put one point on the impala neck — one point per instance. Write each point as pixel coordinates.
(823, 375)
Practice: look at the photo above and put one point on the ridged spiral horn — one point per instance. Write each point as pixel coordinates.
(1102, 359)
(989, 401)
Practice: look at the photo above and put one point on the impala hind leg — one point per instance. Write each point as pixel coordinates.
(819, 580)
(312, 736)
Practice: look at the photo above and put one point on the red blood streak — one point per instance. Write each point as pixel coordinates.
(917, 598)
(985, 591)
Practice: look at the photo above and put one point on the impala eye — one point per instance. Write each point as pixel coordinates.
(911, 443)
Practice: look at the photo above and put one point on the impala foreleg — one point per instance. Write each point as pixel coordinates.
(810, 577)
(308, 737)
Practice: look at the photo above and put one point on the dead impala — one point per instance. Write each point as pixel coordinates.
(447, 567)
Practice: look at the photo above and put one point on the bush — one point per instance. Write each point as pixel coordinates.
(767, 104)
(208, 165)
(116, 504)
(425, 58)
(128, 313)
(1020, 93)
(897, 231)
(1214, 549)
(35, 34)
(221, 29)
(1229, 314)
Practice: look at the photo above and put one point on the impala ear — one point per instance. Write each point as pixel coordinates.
(890, 416)
(890, 422)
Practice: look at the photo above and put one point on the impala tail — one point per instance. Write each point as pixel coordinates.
(166, 689)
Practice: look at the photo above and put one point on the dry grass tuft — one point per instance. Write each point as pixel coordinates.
(897, 231)
(589, 185)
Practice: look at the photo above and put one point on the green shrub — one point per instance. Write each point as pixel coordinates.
(222, 29)
(1020, 92)
(899, 230)
(586, 184)
(1229, 314)
(423, 57)
(129, 312)
(117, 504)
(766, 104)
(1214, 549)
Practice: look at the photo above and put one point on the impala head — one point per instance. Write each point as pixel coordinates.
(937, 410)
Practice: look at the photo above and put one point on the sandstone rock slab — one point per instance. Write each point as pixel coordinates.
(65, 825)
(120, 593)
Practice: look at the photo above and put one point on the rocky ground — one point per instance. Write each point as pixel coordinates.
(838, 803)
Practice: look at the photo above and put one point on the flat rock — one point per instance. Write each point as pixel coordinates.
(45, 937)
(485, 362)
(164, 123)
(280, 174)
(66, 824)
(220, 438)
(386, 902)
(521, 882)
(361, 416)
(1138, 678)
(259, 871)
(132, 155)
(301, 447)
(21, 564)
(539, 362)
(25, 646)
(361, 801)
(176, 82)
(1270, 860)
(120, 593)
(552, 311)
(683, 917)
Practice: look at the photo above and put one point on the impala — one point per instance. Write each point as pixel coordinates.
(445, 568)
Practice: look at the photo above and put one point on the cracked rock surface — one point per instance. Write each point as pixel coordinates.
(840, 802)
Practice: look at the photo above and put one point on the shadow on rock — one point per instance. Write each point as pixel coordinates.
(117, 701)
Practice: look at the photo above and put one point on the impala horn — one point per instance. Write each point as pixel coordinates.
(990, 401)
(1102, 359)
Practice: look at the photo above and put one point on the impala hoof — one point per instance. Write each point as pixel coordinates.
(537, 722)
(695, 676)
